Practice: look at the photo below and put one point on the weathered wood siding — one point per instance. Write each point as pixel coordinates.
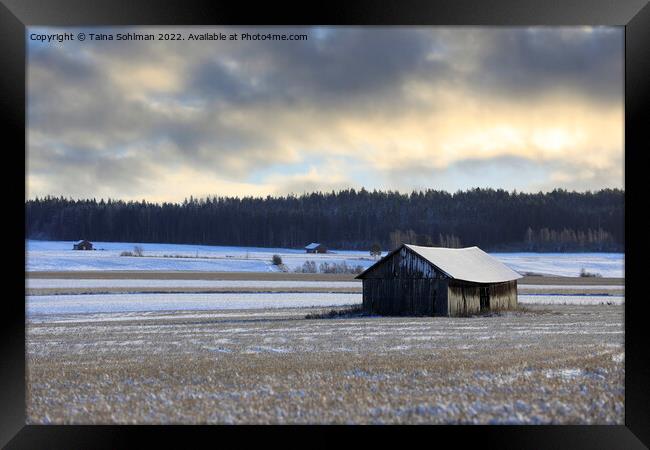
(404, 284)
(503, 295)
(465, 298)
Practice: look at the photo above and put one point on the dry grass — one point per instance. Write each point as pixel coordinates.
(272, 366)
(519, 310)
(338, 313)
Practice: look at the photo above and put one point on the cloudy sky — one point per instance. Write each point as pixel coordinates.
(398, 108)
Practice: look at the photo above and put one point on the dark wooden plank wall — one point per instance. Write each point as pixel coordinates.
(441, 305)
(415, 296)
(404, 284)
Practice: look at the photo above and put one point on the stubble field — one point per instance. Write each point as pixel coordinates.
(552, 364)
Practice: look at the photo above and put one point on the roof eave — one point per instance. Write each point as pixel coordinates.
(489, 281)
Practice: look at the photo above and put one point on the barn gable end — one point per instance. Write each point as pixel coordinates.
(404, 283)
(402, 263)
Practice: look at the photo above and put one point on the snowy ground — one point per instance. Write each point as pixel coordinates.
(100, 349)
(58, 256)
(40, 283)
(555, 364)
(253, 357)
(565, 264)
(94, 303)
(40, 305)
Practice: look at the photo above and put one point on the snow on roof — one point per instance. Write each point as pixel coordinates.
(313, 245)
(467, 264)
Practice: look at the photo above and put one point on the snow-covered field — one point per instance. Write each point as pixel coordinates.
(40, 305)
(565, 264)
(253, 357)
(552, 365)
(60, 283)
(100, 355)
(59, 256)
(40, 283)
(96, 303)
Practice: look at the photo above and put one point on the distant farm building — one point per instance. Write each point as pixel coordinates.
(315, 247)
(82, 245)
(429, 281)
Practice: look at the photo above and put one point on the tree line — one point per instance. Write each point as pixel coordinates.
(495, 220)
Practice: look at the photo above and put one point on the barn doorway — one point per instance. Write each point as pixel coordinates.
(485, 298)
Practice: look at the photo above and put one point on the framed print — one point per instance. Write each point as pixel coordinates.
(412, 213)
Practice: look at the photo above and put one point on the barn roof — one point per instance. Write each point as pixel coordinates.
(466, 264)
(313, 245)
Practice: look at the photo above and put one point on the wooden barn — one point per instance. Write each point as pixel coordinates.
(82, 245)
(315, 247)
(429, 281)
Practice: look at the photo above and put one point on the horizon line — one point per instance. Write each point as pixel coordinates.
(329, 192)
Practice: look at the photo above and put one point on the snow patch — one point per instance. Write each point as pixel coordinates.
(99, 303)
(563, 373)
(39, 283)
(59, 256)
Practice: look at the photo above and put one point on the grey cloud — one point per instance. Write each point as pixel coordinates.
(349, 62)
(70, 93)
(78, 172)
(75, 106)
(357, 69)
(526, 63)
(349, 65)
(212, 80)
(349, 73)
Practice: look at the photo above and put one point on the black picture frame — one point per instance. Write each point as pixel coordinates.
(634, 15)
